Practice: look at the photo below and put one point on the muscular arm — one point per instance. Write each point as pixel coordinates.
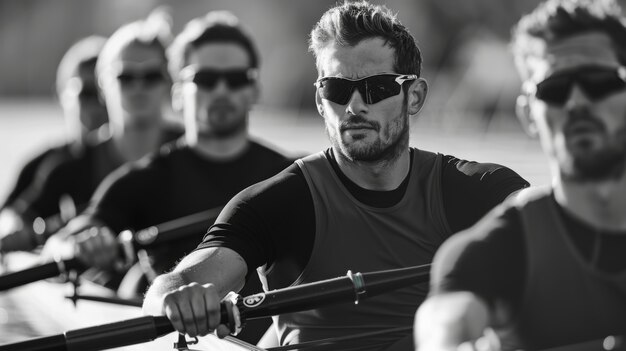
(189, 295)
(271, 221)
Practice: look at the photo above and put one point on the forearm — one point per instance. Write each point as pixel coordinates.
(224, 269)
(163, 284)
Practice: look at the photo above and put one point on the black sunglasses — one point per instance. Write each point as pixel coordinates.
(373, 89)
(208, 78)
(596, 82)
(149, 77)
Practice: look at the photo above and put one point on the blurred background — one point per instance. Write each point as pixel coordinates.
(469, 112)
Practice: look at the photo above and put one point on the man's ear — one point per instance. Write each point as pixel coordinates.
(416, 95)
(524, 114)
(177, 97)
(318, 103)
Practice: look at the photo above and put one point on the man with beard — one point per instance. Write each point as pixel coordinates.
(548, 268)
(369, 202)
(214, 64)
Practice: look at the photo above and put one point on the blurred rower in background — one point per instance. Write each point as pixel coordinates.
(214, 64)
(84, 113)
(131, 72)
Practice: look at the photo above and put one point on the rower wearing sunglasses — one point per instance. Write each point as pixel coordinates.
(133, 82)
(214, 65)
(549, 269)
(369, 202)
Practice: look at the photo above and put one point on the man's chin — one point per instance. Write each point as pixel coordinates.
(594, 168)
(219, 132)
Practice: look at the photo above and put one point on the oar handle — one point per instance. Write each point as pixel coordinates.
(40, 272)
(350, 288)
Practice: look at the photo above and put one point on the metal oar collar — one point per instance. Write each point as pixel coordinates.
(359, 285)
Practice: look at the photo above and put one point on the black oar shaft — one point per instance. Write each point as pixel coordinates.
(112, 300)
(325, 292)
(46, 343)
(132, 331)
(381, 282)
(296, 298)
(101, 337)
(176, 229)
(29, 275)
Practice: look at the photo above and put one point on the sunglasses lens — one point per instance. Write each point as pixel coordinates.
(380, 87)
(150, 78)
(601, 83)
(153, 77)
(373, 89)
(597, 83)
(237, 79)
(337, 90)
(125, 78)
(208, 79)
(554, 90)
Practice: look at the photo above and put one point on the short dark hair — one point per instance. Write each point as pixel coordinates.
(214, 27)
(352, 22)
(154, 31)
(555, 20)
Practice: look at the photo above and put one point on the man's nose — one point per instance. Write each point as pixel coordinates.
(221, 87)
(356, 105)
(577, 98)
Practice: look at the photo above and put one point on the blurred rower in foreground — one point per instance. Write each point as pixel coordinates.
(368, 202)
(84, 113)
(214, 64)
(549, 269)
(132, 75)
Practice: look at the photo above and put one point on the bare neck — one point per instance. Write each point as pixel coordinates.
(600, 204)
(134, 143)
(383, 175)
(220, 148)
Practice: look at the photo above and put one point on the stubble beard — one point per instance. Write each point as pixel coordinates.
(224, 127)
(378, 151)
(607, 163)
